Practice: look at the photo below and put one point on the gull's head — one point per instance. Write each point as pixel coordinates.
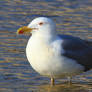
(40, 25)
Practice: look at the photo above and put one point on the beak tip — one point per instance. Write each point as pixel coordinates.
(19, 31)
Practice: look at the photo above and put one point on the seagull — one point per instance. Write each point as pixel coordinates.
(54, 55)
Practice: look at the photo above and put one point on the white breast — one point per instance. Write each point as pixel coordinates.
(47, 60)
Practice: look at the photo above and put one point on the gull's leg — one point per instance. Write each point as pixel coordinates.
(69, 80)
(52, 81)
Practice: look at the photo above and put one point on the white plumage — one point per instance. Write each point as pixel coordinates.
(44, 51)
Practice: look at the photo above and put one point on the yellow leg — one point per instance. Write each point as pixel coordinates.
(52, 81)
(69, 80)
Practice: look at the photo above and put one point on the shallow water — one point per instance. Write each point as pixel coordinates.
(72, 17)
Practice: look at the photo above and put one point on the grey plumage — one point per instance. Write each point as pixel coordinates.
(77, 49)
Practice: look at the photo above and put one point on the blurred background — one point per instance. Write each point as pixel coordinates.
(73, 17)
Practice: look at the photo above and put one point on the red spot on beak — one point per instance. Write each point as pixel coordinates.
(21, 32)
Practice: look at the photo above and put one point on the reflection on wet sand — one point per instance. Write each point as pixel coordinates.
(65, 88)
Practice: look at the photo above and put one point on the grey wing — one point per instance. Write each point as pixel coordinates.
(77, 49)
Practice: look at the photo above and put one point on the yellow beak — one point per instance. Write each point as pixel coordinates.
(24, 30)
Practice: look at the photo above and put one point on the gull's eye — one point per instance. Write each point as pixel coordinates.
(41, 23)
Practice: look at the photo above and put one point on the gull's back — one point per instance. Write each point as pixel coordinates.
(77, 49)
